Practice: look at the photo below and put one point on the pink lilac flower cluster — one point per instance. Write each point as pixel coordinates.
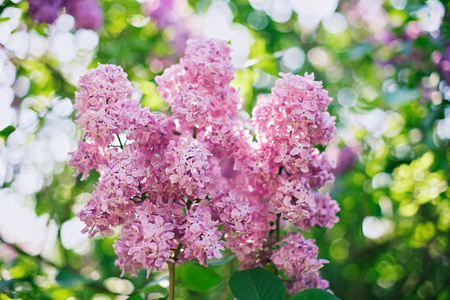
(87, 13)
(186, 185)
(298, 258)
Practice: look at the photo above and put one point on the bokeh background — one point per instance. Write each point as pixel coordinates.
(385, 63)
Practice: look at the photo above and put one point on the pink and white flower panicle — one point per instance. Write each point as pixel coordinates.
(186, 185)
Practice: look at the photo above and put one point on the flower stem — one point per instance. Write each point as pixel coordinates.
(120, 142)
(277, 229)
(177, 251)
(171, 266)
(195, 132)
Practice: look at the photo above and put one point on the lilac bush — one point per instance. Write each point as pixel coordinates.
(186, 185)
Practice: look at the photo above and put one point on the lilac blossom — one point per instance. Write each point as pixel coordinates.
(298, 257)
(186, 185)
(44, 11)
(87, 13)
(323, 213)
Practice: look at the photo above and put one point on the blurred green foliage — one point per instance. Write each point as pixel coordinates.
(400, 181)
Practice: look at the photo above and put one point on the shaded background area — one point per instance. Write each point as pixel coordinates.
(385, 63)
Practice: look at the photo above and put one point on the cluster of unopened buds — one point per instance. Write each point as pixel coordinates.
(185, 185)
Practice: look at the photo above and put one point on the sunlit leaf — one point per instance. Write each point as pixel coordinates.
(198, 278)
(153, 285)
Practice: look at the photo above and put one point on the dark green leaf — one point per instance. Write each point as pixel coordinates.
(314, 294)
(198, 278)
(6, 284)
(256, 284)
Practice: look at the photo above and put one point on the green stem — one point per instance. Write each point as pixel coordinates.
(280, 170)
(171, 266)
(195, 132)
(177, 251)
(120, 142)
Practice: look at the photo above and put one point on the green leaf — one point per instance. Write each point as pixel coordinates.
(68, 279)
(256, 284)
(137, 297)
(258, 49)
(7, 131)
(4, 19)
(153, 285)
(268, 65)
(314, 294)
(216, 262)
(219, 262)
(198, 278)
(263, 60)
